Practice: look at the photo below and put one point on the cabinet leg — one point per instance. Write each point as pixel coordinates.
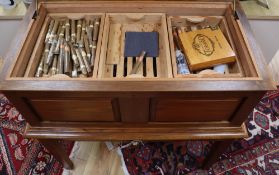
(58, 152)
(217, 149)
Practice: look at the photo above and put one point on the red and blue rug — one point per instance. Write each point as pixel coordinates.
(21, 156)
(256, 155)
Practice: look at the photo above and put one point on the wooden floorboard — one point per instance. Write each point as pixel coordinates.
(274, 67)
(94, 158)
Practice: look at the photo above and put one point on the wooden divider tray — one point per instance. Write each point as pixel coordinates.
(112, 61)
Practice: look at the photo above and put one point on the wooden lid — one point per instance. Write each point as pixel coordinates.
(144, 0)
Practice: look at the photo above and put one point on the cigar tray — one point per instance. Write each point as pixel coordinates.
(157, 103)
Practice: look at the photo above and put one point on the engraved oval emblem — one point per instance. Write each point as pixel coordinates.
(203, 44)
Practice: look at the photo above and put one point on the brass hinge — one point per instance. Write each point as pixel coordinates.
(234, 10)
(36, 10)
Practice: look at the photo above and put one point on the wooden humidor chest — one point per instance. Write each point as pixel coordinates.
(107, 105)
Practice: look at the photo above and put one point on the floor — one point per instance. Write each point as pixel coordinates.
(255, 11)
(16, 13)
(94, 158)
(274, 67)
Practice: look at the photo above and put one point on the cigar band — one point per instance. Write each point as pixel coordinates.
(74, 73)
(78, 25)
(73, 34)
(61, 34)
(91, 25)
(74, 57)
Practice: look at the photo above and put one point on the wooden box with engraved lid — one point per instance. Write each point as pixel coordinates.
(159, 103)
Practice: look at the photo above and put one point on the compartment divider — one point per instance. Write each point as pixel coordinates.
(113, 43)
(149, 67)
(129, 65)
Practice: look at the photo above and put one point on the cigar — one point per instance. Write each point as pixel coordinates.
(75, 72)
(89, 31)
(57, 47)
(85, 60)
(67, 25)
(199, 27)
(51, 52)
(54, 30)
(82, 34)
(188, 29)
(39, 71)
(87, 49)
(96, 29)
(51, 24)
(62, 31)
(56, 50)
(139, 61)
(73, 31)
(74, 56)
(67, 66)
(53, 70)
(45, 68)
(46, 51)
(82, 76)
(176, 39)
(61, 57)
(81, 63)
(92, 60)
(78, 30)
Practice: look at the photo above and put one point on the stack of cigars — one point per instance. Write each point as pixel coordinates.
(69, 48)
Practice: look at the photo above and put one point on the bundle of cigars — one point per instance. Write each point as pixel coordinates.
(69, 48)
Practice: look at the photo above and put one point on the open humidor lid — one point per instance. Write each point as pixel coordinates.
(37, 2)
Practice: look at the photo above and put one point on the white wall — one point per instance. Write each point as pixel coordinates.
(8, 29)
(267, 35)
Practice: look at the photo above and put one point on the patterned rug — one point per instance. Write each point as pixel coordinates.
(19, 155)
(256, 155)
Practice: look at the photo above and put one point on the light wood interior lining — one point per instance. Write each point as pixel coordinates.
(27, 49)
(232, 31)
(243, 53)
(38, 49)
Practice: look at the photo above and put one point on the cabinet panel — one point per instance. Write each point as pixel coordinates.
(193, 110)
(134, 110)
(99, 109)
